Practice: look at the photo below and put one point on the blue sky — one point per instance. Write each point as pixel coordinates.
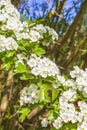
(36, 8)
(39, 8)
(72, 10)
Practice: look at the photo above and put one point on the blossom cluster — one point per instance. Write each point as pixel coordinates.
(72, 112)
(10, 19)
(78, 80)
(7, 11)
(80, 77)
(82, 115)
(45, 29)
(60, 80)
(68, 112)
(42, 66)
(9, 16)
(7, 43)
(29, 94)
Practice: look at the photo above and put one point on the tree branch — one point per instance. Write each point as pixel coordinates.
(78, 19)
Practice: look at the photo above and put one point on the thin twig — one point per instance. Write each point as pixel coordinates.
(13, 115)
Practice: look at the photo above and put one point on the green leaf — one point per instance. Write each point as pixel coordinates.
(7, 66)
(26, 76)
(54, 94)
(8, 59)
(50, 79)
(53, 128)
(21, 68)
(47, 86)
(72, 126)
(42, 94)
(23, 113)
(51, 116)
(39, 51)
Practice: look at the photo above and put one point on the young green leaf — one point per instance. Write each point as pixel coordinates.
(23, 113)
(21, 68)
(39, 51)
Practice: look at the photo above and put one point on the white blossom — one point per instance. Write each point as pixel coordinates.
(80, 81)
(69, 95)
(57, 123)
(82, 125)
(29, 94)
(44, 122)
(7, 43)
(42, 66)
